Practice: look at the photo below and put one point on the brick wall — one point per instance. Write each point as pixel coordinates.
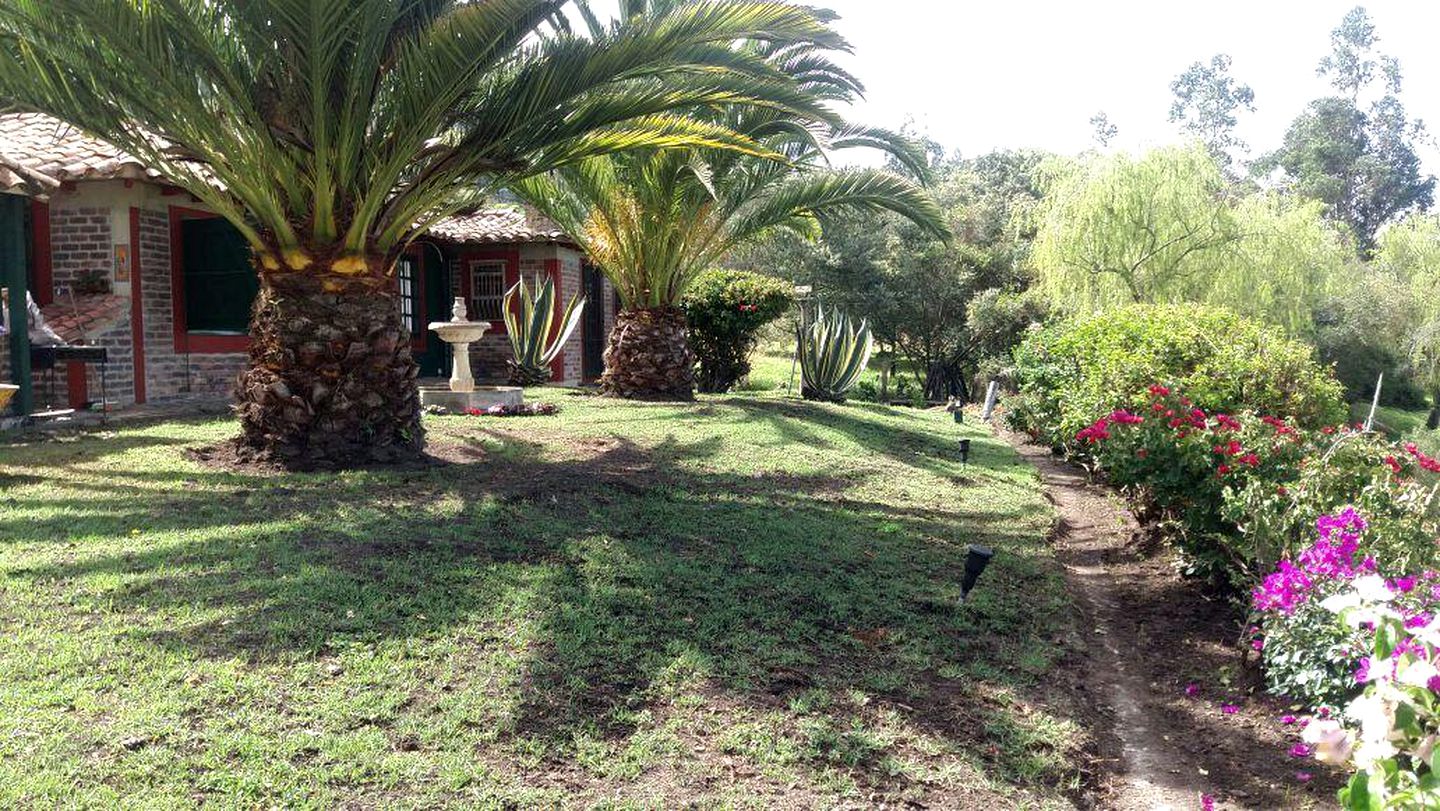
(80, 240)
(571, 283)
(172, 374)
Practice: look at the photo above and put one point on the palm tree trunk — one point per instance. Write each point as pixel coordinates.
(331, 381)
(649, 357)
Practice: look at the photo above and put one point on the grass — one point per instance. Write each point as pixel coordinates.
(1402, 424)
(745, 602)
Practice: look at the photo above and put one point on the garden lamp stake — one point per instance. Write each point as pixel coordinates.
(976, 559)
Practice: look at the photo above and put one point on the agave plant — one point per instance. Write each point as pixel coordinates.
(332, 133)
(528, 322)
(833, 353)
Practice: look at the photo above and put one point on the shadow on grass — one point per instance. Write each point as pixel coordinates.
(632, 569)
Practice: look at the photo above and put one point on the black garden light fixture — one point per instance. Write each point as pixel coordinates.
(959, 415)
(976, 559)
(964, 451)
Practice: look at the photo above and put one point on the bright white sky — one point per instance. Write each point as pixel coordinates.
(980, 74)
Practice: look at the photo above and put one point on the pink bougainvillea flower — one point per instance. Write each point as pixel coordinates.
(1207, 803)
(1257, 643)
(1300, 750)
(1229, 709)
(1287, 720)
(1192, 689)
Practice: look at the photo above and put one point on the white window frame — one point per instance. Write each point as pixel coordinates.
(487, 290)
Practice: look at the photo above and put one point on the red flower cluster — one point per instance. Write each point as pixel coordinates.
(749, 308)
(1227, 421)
(1097, 432)
(1427, 462)
(1281, 427)
(1159, 391)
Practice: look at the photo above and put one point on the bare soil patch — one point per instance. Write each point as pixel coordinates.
(1155, 634)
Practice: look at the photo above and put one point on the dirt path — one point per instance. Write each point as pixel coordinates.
(1153, 634)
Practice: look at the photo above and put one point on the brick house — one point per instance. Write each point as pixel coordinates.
(116, 257)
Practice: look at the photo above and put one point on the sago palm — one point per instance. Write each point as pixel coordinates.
(332, 132)
(653, 219)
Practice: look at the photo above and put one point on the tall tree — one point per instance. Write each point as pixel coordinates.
(653, 220)
(1117, 229)
(1102, 130)
(333, 132)
(1207, 99)
(1166, 228)
(917, 291)
(1358, 159)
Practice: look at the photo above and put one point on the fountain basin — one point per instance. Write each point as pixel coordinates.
(460, 332)
(460, 401)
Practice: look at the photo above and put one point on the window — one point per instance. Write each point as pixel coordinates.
(409, 293)
(219, 282)
(487, 291)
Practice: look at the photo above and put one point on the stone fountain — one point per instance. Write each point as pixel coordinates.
(462, 393)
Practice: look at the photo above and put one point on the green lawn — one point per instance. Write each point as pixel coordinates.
(747, 602)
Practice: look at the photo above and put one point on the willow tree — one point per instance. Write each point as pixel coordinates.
(331, 133)
(1119, 230)
(654, 219)
(1408, 259)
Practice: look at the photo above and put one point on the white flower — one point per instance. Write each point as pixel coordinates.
(1418, 673)
(1368, 753)
(1336, 603)
(1429, 633)
(1332, 742)
(1372, 589)
(1376, 715)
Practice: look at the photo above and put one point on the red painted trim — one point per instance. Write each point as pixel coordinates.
(552, 269)
(77, 388)
(40, 243)
(137, 307)
(185, 343)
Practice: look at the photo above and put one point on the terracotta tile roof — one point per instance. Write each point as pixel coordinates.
(92, 314)
(499, 224)
(39, 145)
(39, 152)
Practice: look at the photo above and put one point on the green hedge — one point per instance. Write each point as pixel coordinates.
(725, 310)
(1070, 373)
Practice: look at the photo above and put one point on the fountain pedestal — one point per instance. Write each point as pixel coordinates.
(462, 393)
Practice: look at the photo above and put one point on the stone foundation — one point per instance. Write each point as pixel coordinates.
(482, 397)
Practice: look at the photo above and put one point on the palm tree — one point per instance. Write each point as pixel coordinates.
(653, 219)
(331, 133)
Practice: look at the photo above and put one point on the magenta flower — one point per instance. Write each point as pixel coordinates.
(1287, 720)
(1192, 689)
(1300, 750)
(1303, 777)
(1207, 803)
(1229, 709)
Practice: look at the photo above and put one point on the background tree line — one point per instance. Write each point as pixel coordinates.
(1328, 235)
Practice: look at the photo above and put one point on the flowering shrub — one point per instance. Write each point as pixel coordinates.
(1177, 464)
(1388, 733)
(725, 310)
(1071, 373)
(1392, 485)
(1239, 492)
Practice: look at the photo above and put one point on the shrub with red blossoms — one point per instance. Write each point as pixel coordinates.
(1238, 492)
